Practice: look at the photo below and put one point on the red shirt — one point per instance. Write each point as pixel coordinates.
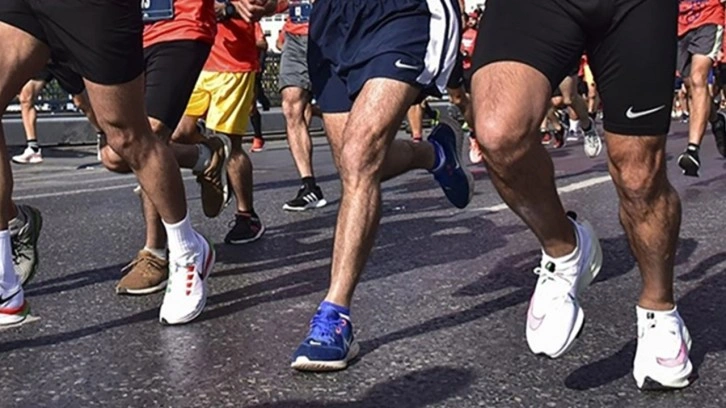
(468, 42)
(234, 48)
(696, 13)
(193, 20)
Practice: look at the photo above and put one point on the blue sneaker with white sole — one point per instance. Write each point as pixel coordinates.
(330, 344)
(456, 180)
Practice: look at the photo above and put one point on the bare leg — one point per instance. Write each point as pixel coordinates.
(239, 171)
(81, 102)
(461, 100)
(415, 121)
(572, 99)
(360, 151)
(28, 95)
(650, 212)
(700, 106)
(519, 166)
(295, 101)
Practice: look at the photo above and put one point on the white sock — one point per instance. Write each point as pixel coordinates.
(183, 240)
(205, 157)
(9, 282)
(157, 252)
(575, 124)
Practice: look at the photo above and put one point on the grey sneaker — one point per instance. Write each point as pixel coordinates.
(593, 143)
(24, 233)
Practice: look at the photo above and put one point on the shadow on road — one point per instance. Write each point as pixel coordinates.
(414, 390)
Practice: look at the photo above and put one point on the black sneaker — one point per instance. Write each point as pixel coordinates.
(719, 132)
(689, 162)
(245, 229)
(306, 199)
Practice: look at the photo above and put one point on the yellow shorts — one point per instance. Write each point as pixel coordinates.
(589, 79)
(225, 99)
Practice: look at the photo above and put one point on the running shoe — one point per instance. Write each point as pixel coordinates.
(213, 180)
(306, 199)
(719, 132)
(330, 344)
(456, 180)
(186, 290)
(100, 143)
(558, 136)
(661, 358)
(245, 229)
(258, 144)
(146, 274)
(546, 136)
(555, 318)
(24, 234)
(13, 308)
(689, 162)
(475, 154)
(29, 156)
(574, 135)
(593, 143)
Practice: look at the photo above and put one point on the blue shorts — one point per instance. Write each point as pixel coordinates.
(351, 42)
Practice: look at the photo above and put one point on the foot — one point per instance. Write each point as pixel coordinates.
(455, 179)
(306, 199)
(574, 135)
(593, 143)
(555, 317)
(213, 180)
(661, 358)
(690, 163)
(546, 136)
(245, 229)
(13, 307)
(186, 291)
(146, 274)
(719, 132)
(475, 155)
(24, 233)
(558, 138)
(258, 144)
(330, 344)
(29, 156)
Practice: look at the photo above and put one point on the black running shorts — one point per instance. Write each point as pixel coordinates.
(172, 69)
(630, 44)
(68, 80)
(100, 40)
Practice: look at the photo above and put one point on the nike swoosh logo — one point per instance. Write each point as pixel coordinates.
(533, 321)
(4, 300)
(630, 114)
(680, 359)
(400, 64)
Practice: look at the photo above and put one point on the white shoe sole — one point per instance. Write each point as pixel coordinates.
(310, 206)
(247, 241)
(304, 364)
(141, 292)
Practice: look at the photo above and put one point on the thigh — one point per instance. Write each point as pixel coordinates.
(540, 34)
(635, 78)
(172, 69)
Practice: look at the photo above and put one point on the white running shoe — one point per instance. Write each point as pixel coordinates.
(13, 308)
(574, 135)
(555, 318)
(29, 156)
(661, 358)
(593, 143)
(186, 289)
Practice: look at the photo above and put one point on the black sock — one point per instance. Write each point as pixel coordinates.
(589, 126)
(256, 120)
(429, 111)
(692, 147)
(33, 144)
(309, 182)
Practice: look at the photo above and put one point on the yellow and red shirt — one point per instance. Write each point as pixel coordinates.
(234, 48)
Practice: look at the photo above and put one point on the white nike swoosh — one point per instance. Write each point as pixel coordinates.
(400, 64)
(634, 115)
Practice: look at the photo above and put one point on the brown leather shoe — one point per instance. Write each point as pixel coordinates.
(146, 274)
(213, 180)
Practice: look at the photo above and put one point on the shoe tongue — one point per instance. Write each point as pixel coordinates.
(328, 313)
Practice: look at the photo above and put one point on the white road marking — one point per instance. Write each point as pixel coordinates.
(579, 185)
(83, 191)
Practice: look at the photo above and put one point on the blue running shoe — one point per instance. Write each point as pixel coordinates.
(330, 344)
(455, 179)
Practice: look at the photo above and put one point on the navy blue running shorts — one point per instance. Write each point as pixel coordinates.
(351, 42)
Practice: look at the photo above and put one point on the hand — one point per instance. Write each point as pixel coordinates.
(254, 10)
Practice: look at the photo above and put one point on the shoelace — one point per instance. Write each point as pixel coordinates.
(151, 260)
(322, 329)
(553, 277)
(18, 253)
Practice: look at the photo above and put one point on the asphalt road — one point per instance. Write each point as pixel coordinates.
(439, 313)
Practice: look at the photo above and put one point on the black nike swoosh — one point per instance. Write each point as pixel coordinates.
(4, 300)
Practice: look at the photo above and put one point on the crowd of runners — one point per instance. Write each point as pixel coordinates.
(172, 84)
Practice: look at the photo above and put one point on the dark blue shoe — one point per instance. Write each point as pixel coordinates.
(455, 179)
(330, 344)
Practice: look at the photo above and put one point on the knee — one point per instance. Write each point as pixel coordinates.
(501, 139)
(360, 162)
(293, 108)
(112, 161)
(638, 178)
(26, 98)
